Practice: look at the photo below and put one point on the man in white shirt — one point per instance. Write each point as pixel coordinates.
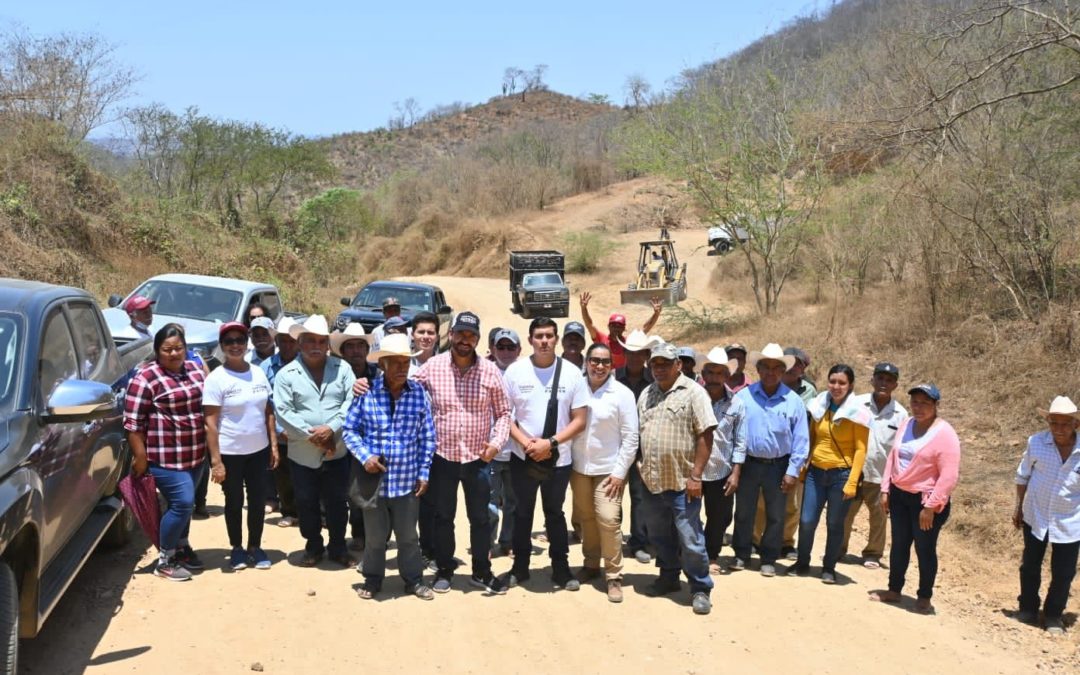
(1048, 510)
(887, 416)
(541, 452)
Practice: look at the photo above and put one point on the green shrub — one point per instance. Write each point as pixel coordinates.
(333, 216)
(585, 250)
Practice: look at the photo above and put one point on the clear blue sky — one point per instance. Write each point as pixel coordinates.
(319, 68)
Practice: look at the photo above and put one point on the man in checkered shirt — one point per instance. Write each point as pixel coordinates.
(472, 422)
(390, 430)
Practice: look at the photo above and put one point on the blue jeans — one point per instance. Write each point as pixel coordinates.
(475, 481)
(638, 536)
(823, 487)
(674, 522)
(762, 477)
(329, 484)
(178, 488)
(502, 496)
(904, 508)
(400, 515)
(552, 495)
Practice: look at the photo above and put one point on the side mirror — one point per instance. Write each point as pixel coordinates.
(115, 300)
(446, 309)
(346, 301)
(80, 401)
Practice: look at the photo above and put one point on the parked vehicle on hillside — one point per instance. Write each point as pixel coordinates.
(199, 303)
(721, 241)
(366, 307)
(537, 284)
(62, 447)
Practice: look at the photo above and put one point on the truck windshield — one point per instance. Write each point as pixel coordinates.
(414, 299)
(189, 301)
(10, 340)
(542, 279)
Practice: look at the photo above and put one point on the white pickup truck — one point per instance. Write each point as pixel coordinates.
(720, 240)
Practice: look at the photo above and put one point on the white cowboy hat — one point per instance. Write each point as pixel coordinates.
(314, 324)
(771, 352)
(353, 331)
(638, 341)
(395, 344)
(1061, 405)
(719, 357)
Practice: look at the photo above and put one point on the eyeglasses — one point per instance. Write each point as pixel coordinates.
(597, 361)
(228, 342)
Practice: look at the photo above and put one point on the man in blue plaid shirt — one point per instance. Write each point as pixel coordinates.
(390, 430)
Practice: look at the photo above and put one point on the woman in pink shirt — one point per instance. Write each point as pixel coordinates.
(918, 481)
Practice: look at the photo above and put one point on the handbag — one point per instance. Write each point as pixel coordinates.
(545, 469)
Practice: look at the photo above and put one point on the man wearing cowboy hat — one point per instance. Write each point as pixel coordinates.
(1048, 510)
(390, 432)
(472, 423)
(777, 446)
(616, 328)
(635, 375)
(287, 349)
(311, 396)
(721, 477)
(677, 424)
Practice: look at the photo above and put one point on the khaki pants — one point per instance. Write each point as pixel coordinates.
(870, 494)
(601, 522)
(791, 517)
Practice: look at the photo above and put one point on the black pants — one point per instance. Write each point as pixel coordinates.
(283, 482)
(245, 471)
(718, 514)
(329, 486)
(639, 538)
(552, 495)
(475, 481)
(425, 525)
(203, 485)
(904, 509)
(1062, 570)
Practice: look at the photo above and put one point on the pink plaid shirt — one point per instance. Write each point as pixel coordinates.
(471, 408)
(168, 408)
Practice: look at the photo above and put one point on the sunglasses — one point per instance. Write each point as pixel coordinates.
(597, 361)
(228, 342)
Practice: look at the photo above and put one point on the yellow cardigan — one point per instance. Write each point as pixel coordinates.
(844, 447)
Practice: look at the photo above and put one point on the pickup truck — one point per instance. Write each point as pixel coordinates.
(366, 307)
(198, 303)
(62, 447)
(537, 287)
(721, 241)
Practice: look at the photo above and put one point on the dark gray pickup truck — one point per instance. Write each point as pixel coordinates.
(62, 447)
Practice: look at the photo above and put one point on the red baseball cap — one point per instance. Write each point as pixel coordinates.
(232, 325)
(137, 302)
(617, 318)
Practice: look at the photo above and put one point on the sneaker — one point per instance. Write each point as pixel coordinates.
(768, 570)
(1054, 626)
(514, 579)
(736, 565)
(642, 556)
(171, 570)
(789, 553)
(431, 565)
(259, 558)
(421, 591)
(200, 513)
(662, 586)
(566, 583)
(798, 569)
(238, 559)
(286, 521)
(828, 577)
(1028, 616)
(492, 584)
(614, 591)
(441, 585)
(187, 557)
(701, 603)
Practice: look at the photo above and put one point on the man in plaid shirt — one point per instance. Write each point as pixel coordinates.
(472, 422)
(390, 431)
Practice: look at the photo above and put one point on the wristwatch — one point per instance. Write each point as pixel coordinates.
(554, 443)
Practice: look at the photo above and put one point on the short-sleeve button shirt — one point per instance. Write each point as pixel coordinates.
(671, 421)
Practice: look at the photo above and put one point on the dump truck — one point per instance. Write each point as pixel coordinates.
(537, 284)
(659, 274)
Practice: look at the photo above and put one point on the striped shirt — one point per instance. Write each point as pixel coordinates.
(728, 437)
(471, 407)
(1052, 501)
(167, 407)
(401, 432)
(671, 422)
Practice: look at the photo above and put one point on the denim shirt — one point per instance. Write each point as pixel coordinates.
(301, 405)
(776, 426)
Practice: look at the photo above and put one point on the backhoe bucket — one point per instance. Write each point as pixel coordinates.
(644, 296)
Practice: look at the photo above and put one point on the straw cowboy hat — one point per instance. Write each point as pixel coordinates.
(314, 324)
(1061, 405)
(353, 331)
(719, 357)
(771, 352)
(638, 341)
(393, 345)
(284, 325)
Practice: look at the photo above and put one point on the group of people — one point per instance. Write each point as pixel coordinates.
(381, 436)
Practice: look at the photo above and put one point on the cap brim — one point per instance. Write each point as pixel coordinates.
(1046, 414)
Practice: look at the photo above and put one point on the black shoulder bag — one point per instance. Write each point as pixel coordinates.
(545, 469)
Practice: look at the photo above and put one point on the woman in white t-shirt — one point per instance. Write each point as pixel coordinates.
(241, 438)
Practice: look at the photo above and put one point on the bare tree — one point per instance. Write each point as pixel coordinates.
(511, 77)
(637, 90)
(70, 78)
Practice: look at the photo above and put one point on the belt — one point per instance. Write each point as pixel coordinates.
(767, 460)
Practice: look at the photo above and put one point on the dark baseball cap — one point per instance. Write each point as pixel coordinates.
(887, 368)
(395, 323)
(466, 321)
(929, 389)
(798, 354)
(391, 301)
(736, 347)
(575, 328)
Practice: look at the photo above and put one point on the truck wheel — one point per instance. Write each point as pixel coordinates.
(526, 313)
(517, 305)
(722, 246)
(9, 621)
(119, 533)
